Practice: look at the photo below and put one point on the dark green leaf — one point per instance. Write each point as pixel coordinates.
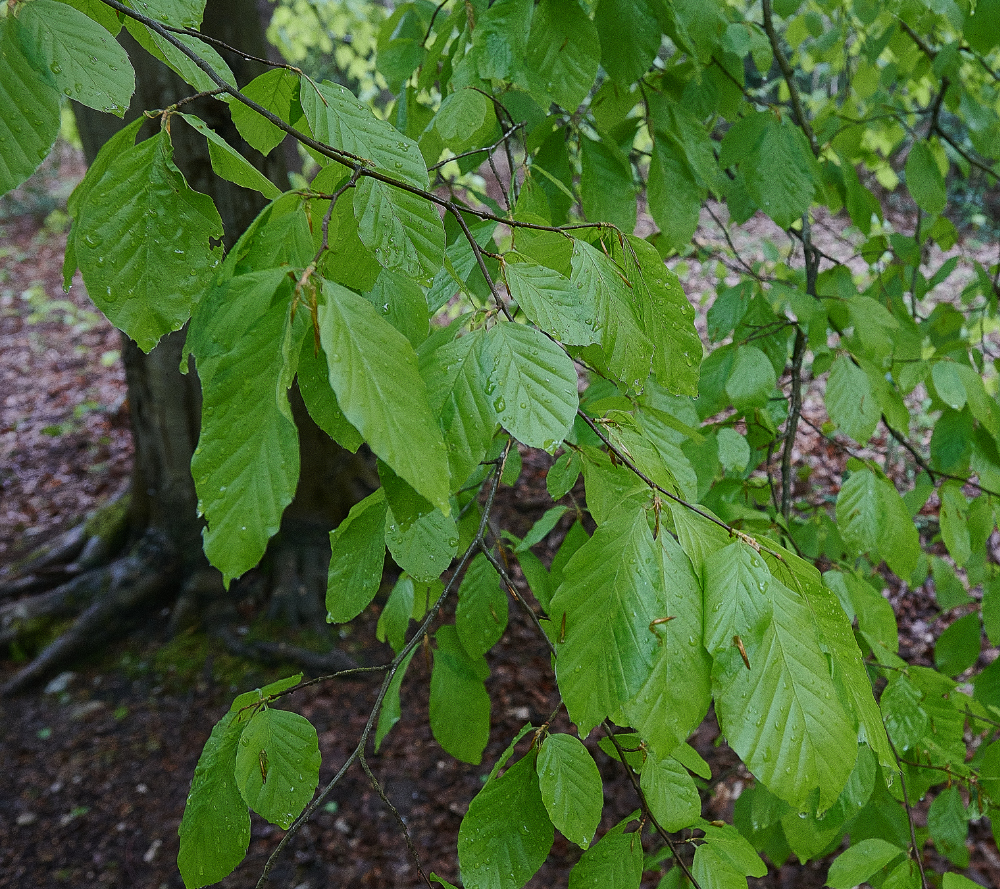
(481, 614)
(563, 52)
(614, 863)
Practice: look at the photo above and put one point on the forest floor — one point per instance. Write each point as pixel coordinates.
(96, 766)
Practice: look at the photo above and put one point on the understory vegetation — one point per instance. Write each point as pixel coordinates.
(495, 246)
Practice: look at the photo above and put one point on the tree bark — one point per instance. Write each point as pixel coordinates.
(166, 405)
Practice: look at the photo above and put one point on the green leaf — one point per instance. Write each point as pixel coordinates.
(481, 614)
(958, 647)
(373, 371)
(603, 283)
(339, 120)
(391, 711)
(246, 465)
(86, 62)
(784, 715)
(277, 764)
(506, 834)
(562, 475)
(671, 793)
(230, 164)
(549, 300)
(905, 718)
(667, 317)
(357, 555)
(277, 91)
(872, 518)
(736, 582)
(395, 617)
(215, 829)
(779, 170)
(674, 698)
(563, 52)
(460, 706)
(424, 547)
(606, 185)
(145, 283)
(614, 863)
(752, 379)
(319, 398)
(954, 518)
(924, 179)
(571, 788)
(609, 598)
(674, 194)
(949, 384)
(272, 689)
(850, 400)
(948, 823)
(457, 376)
(725, 859)
(178, 60)
(630, 36)
(861, 861)
(533, 385)
(180, 13)
(403, 230)
(29, 111)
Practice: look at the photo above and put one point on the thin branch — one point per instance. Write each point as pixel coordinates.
(609, 731)
(472, 151)
(915, 848)
(789, 75)
(792, 425)
(399, 818)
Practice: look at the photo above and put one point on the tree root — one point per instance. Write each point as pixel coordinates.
(112, 596)
(310, 662)
(91, 543)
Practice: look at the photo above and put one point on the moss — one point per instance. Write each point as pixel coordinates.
(109, 523)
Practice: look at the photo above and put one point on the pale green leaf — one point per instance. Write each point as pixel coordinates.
(783, 716)
(549, 300)
(339, 120)
(481, 614)
(608, 598)
(850, 401)
(277, 764)
(571, 788)
(178, 60)
(614, 863)
(563, 52)
(373, 371)
(675, 697)
(506, 834)
(668, 318)
(616, 318)
(180, 13)
(86, 62)
(144, 282)
(215, 830)
(403, 230)
(425, 547)
(671, 793)
(954, 517)
(29, 110)
(460, 706)
(532, 384)
(959, 646)
(230, 164)
(357, 554)
(736, 601)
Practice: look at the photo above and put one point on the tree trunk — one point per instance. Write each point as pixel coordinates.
(165, 406)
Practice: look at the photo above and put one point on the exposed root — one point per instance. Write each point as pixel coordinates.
(115, 596)
(90, 544)
(310, 662)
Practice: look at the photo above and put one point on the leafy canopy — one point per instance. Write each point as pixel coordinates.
(465, 274)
